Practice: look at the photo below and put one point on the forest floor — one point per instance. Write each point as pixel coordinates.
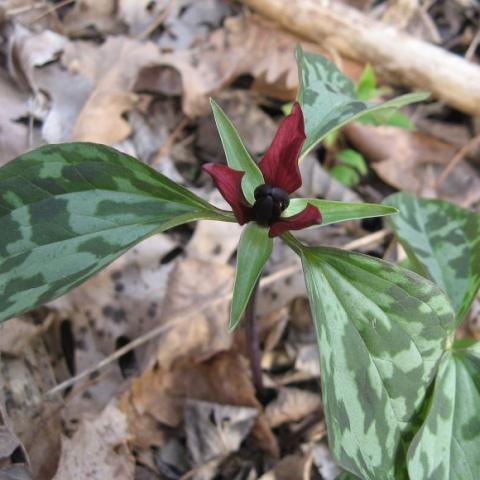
(137, 75)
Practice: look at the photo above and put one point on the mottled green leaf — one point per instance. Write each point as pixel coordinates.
(390, 117)
(443, 243)
(333, 211)
(237, 155)
(68, 210)
(366, 87)
(329, 100)
(447, 447)
(254, 250)
(347, 476)
(354, 159)
(347, 176)
(381, 331)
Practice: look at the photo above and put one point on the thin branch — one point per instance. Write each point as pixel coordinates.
(457, 159)
(51, 10)
(186, 314)
(253, 342)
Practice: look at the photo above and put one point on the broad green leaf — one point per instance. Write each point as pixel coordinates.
(287, 108)
(329, 100)
(443, 243)
(390, 117)
(348, 176)
(254, 250)
(367, 84)
(353, 159)
(66, 211)
(347, 476)
(381, 332)
(237, 155)
(447, 447)
(333, 211)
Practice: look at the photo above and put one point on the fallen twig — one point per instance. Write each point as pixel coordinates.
(188, 313)
(398, 57)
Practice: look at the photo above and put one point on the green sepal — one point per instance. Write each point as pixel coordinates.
(333, 211)
(254, 250)
(442, 242)
(237, 155)
(67, 211)
(447, 447)
(381, 332)
(329, 100)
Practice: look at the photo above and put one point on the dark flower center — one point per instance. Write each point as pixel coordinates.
(270, 202)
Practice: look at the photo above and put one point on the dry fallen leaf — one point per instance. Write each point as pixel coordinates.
(91, 14)
(119, 304)
(291, 405)
(98, 450)
(244, 46)
(13, 135)
(29, 51)
(413, 162)
(159, 395)
(296, 466)
(215, 430)
(207, 332)
(323, 460)
(113, 69)
(23, 383)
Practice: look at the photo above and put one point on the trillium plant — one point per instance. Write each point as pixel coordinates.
(401, 396)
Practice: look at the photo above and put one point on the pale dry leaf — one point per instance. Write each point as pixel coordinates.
(159, 395)
(98, 450)
(66, 93)
(18, 333)
(214, 241)
(296, 466)
(215, 430)
(113, 68)
(23, 383)
(8, 443)
(59, 94)
(414, 161)
(318, 183)
(190, 20)
(13, 135)
(323, 460)
(244, 46)
(308, 360)
(140, 15)
(91, 14)
(29, 50)
(242, 109)
(291, 405)
(15, 472)
(206, 333)
(120, 303)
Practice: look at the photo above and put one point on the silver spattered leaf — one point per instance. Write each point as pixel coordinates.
(447, 447)
(66, 211)
(381, 332)
(328, 98)
(443, 243)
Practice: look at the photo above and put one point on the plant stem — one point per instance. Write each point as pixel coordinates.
(253, 342)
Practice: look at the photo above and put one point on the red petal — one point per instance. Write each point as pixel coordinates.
(309, 216)
(280, 164)
(229, 182)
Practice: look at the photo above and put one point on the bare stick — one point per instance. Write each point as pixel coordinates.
(457, 158)
(188, 313)
(253, 342)
(398, 57)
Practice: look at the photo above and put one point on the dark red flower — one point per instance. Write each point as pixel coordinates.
(281, 174)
